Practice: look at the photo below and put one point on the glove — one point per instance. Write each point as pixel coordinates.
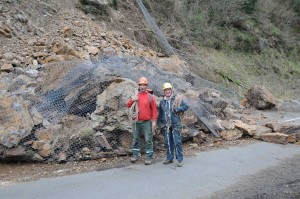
(176, 112)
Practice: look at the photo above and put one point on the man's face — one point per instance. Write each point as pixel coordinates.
(168, 92)
(142, 87)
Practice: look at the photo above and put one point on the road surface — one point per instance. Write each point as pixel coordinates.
(211, 174)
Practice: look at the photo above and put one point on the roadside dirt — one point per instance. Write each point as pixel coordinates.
(11, 173)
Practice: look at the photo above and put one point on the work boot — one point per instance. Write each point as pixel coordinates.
(179, 164)
(168, 161)
(148, 161)
(134, 158)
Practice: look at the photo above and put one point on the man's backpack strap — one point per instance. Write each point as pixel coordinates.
(150, 99)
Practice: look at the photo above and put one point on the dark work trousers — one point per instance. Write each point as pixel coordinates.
(173, 143)
(144, 127)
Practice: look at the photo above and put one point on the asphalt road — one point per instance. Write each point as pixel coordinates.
(278, 182)
(209, 174)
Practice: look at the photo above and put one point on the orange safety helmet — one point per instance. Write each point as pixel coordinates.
(143, 80)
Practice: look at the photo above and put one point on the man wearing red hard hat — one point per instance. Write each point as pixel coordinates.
(145, 121)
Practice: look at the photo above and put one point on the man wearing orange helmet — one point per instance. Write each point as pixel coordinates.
(169, 121)
(147, 116)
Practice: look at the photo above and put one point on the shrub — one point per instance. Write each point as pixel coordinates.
(114, 4)
(296, 6)
(246, 43)
(224, 12)
(249, 6)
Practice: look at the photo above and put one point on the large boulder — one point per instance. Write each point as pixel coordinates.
(260, 98)
(173, 65)
(278, 138)
(231, 134)
(16, 122)
(111, 110)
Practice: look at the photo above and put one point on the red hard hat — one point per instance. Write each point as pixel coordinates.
(143, 80)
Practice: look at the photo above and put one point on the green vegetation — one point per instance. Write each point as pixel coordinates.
(240, 42)
(249, 6)
(227, 77)
(296, 6)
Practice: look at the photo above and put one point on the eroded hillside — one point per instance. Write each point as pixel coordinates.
(68, 68)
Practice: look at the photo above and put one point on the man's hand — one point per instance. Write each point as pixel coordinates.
(153, 125)
(134, 98)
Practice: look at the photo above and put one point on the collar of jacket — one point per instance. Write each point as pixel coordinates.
(143, 93)
(171, 98)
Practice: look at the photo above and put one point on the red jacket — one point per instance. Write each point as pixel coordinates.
(145, 112)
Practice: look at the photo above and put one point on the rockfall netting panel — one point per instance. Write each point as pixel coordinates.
(77, 110)
(167, 48)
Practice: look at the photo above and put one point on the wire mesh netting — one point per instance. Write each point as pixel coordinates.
(78, 110)
(168, 50)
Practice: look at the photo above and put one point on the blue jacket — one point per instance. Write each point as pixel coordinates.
(172, 117)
